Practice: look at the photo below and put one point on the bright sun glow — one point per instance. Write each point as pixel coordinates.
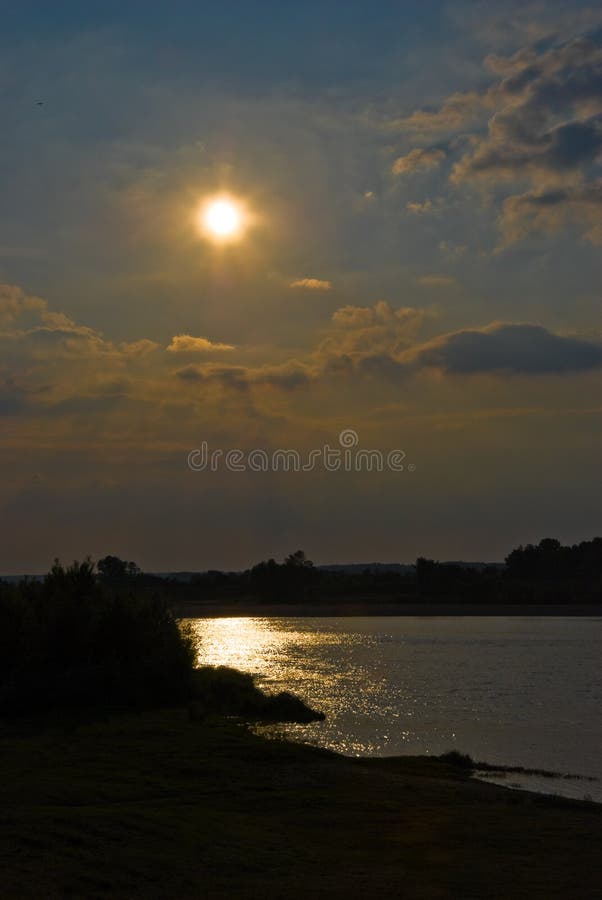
(223, 219)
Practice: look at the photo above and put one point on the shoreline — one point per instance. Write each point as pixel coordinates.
(246, 609)
(188, 809)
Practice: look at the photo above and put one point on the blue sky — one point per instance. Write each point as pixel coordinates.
(422, 264)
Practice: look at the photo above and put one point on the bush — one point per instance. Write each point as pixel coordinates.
(224, 691)
(458, 760)
(73, 642)
(69, 643)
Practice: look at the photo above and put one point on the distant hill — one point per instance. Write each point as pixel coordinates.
(403, 568)
(176, 576)
(358, 568)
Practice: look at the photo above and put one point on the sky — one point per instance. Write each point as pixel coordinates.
(418, 270)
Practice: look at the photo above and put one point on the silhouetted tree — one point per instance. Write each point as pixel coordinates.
(78, 579)
(298, 559)
(113, 570)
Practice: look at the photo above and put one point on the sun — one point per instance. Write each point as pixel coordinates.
(222, 219)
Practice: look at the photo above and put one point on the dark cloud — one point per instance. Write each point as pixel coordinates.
(12, 398)
(190, 373)
(17, 395)
(514, 149)
(514, 349)
(287, 377)
(544, 128)
(498, 349)
(548, 210)
(236, 377)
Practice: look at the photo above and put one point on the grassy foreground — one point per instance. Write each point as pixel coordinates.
(159, 805)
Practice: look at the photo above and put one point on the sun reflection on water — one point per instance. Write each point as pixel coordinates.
(319, 665)
(501, 690)
(251, 644)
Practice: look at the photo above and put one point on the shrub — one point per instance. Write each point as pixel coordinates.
(224, 691)
(458, 760)
(73, 642)
(69, 643)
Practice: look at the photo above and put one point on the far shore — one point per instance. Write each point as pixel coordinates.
(228, 609)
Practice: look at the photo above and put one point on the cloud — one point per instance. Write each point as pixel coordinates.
(549, 210)
(436, 280)
(287, 376)
(379, 314)
(506, 348)
(186, 343)
(512, 150)
(416, 207)
(354, 316)
(38, 331)
(39, 378)
(138, 348)
(312, 284)
(13, 396)
(49, 362)
(501, 348)
(228, 376)
(451, 249)
(364, 330)
(534, 139)
(14, 302)
(417, 160)
(456, 112)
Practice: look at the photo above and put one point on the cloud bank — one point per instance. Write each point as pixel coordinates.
(534, 136)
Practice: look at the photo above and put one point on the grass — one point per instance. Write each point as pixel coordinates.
(159, 805)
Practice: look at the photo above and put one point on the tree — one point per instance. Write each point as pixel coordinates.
(77, 579)
(114, 570)
(298, 559)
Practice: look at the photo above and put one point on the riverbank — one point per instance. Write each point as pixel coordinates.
(156, 805)
(315, 609)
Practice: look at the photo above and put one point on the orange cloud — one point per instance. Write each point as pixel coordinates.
(186, 343)
(418, 159)
(312, 284)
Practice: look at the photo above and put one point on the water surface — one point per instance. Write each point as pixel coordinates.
(510, 690)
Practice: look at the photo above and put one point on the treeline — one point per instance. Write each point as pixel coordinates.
(544, 573)
(549, 559)
(547, 572)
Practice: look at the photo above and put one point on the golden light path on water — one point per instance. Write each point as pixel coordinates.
(518, 691)
(321, 665)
